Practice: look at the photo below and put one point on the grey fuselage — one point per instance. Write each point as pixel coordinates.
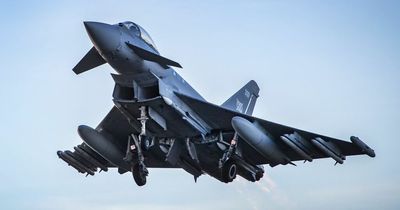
(160, 121)
(124, 60)
(151, 82)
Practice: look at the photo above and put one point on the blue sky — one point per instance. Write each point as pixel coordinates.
(330, 67)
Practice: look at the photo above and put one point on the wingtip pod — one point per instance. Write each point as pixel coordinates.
(363, 146)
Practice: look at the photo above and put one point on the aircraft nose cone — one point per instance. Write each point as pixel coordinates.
(105, 37)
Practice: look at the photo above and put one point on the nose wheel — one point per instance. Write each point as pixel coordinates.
(139, 172)
(134, 156)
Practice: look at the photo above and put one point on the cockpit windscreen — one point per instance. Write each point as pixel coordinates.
(136, 30)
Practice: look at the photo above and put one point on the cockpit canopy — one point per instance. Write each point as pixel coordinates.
(136, 30)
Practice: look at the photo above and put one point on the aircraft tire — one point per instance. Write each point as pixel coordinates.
(229, 171)
(139, 175)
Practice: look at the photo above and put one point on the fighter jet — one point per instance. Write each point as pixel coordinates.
(159, 121)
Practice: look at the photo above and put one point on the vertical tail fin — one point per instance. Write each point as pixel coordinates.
(244, 100)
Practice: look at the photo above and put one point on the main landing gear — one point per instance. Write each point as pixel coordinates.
(134, 152)
(226, 164)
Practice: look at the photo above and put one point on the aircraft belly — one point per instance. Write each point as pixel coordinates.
(164, 120)
(207, 156)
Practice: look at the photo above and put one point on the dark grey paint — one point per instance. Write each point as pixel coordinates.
(182, 130)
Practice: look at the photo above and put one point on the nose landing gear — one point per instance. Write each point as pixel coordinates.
(134, 153)
(134, 156)
(139, 172)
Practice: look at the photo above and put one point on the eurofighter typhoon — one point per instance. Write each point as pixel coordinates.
(160, 121)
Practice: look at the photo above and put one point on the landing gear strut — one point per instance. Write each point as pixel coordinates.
(143, 118)
(138, 168)
(226, 164)
(229, 152)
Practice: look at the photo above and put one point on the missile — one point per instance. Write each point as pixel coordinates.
(296, 148)
(79, 157)
(63, 156)
(328, 150)
(73, 162)
(262, 142)
(83, 161)
(364, 147)
(103, 146)
(92, 153)
(90, 159)
(78, 163)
